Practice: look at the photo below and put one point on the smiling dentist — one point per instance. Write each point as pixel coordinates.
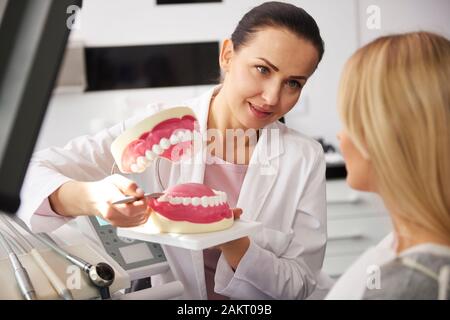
(272, 53)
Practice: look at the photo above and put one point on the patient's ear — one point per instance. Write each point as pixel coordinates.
(364, 150)
(226, 55)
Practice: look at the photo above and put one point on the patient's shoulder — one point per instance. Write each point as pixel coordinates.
(410, 277)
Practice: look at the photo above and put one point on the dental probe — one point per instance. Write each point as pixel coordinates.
(21, 274)
(133, 198)
(57, 284)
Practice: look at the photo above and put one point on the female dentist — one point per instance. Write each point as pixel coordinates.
(272, 53)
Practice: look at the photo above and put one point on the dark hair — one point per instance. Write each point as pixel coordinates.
(278, 14)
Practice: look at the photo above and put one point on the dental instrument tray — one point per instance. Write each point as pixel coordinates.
(193, 241)
(69, 273)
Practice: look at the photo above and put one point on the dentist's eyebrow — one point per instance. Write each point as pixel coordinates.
(276, 69)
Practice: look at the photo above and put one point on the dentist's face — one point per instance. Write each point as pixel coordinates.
(359, 168)
(264, 78)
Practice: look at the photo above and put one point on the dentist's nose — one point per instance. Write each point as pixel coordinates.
(271, 94)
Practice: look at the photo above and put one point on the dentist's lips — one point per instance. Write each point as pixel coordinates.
(257, 112)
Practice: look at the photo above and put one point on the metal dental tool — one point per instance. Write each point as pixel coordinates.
(101, 275)
(21, 274)
(18, 248)
(132, 198)
(57, 284)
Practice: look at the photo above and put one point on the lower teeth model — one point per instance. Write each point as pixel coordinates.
(191, 208)
(167, 134)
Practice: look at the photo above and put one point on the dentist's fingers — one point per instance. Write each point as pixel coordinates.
(133, 209)
(126, 186)
(237, 212)
(117, 218)
(129, 222)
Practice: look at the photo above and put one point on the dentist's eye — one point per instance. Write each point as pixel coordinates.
(262, 69)
(294, 84)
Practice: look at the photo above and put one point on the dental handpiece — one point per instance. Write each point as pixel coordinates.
(101, 275)
(21, 274)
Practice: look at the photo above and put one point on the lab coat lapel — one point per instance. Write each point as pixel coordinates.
(262, 172)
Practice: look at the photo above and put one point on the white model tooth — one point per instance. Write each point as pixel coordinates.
(142, 162)
(175, 200)
(187, 136)
(196, 201)
(220, 198)
(157, 149)
(134, 168)
(211, 201)
(163, 198)
(217, 200)
(186, 201)
(150, 155)
(224, 197)
(174, 139)
(164, 143)
(205, 201)
(180, 134)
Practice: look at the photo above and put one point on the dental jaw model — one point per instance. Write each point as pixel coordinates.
(191, 208)
(167, 134)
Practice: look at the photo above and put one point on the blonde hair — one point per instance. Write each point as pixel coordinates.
(394, 101)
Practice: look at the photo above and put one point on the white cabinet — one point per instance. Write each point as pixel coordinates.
(356, 221)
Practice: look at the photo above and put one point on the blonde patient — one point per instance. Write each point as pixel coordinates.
(394, 103)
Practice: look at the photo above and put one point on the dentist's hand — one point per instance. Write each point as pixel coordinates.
(102, 193)
(237, 212)
(234, 250)
(76, 198)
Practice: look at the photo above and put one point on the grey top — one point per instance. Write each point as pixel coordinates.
(413, 275)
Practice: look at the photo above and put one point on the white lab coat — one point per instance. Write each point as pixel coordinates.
(284, 188)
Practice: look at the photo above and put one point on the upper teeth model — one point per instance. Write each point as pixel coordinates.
(167, 134)
(191, 208)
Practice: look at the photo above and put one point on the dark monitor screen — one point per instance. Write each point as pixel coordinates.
(184, 1)
(152, 66)
(33, 36)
